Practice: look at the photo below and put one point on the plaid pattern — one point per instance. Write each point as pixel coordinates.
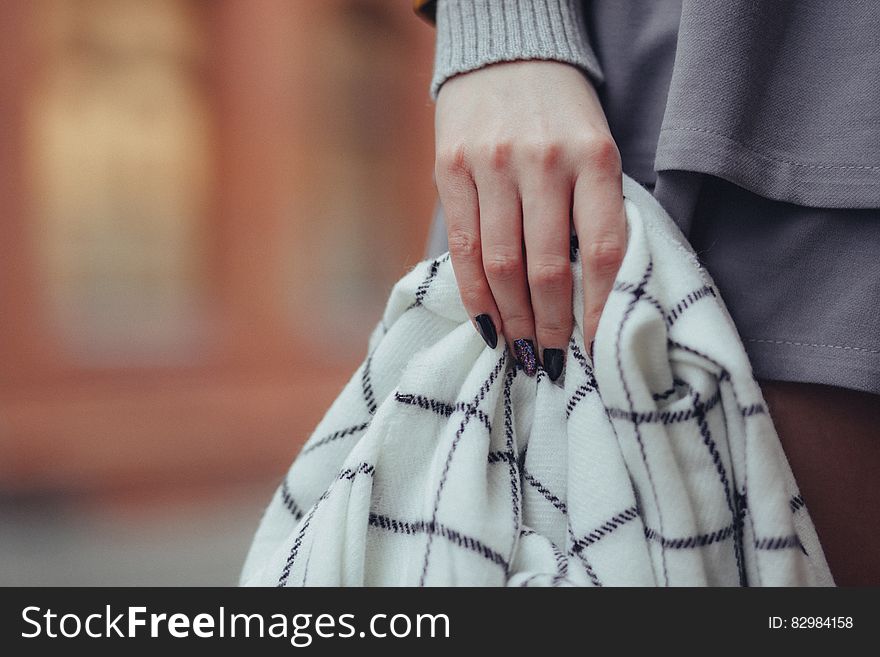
(440, 463)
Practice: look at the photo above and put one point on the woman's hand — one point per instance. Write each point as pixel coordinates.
(523, 149)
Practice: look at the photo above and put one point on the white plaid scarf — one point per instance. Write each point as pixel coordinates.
(441, 463)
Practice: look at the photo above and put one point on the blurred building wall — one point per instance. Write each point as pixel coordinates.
(203, 206)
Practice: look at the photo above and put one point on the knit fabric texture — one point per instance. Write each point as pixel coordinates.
(654, 464)
(471, 35)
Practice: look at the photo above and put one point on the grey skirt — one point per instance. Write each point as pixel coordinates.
(801, 284)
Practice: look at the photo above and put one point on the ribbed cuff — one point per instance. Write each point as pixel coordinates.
(474, 33)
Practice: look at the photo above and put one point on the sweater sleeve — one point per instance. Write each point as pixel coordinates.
(474, 33)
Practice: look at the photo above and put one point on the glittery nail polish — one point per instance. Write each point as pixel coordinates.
(553, 361)
(487, 330)
(524, 351)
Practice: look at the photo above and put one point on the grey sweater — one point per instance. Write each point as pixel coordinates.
(781, 97)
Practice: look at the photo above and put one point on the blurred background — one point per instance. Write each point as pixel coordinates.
(203, 207)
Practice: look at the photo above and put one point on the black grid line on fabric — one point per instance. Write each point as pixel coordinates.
(780, 543)
(752, 409)
(723, 375)
(688, 542)
(502, 456)
(742, 500)
(666, 394)
(582, 557)
(425, 285)
(771, 543)
(747, 411)
(545, 492)
(561, 566)
(699, 293)
(740, 503)
(796, 503)
(627, 313)
(351, 473)
(336, 435)
(670, 316)
(513, 465)
(297, 543)
(345, 474)
(692, 297)
(582, 361)
(594, 578)
(442, 408)
(288, 501)
(584, 388)
(367, 386)
(540, 373)
(603, 530)
(734, 505)
(528, 580)
(507, 456)
(676, 384)
(455, 537)
(478, 398)
(622, 286)
(661, 416)
(683, 415)
(580, 393)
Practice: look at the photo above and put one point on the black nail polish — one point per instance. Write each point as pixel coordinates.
(553, 360)
(487, 330)
(524, 351)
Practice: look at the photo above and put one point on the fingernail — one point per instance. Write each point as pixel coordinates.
(591, 349)
(524, 351)
(553, 360)
(487, 330)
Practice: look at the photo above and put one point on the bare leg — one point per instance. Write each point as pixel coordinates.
(831, 437)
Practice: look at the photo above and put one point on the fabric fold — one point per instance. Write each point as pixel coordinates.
(442, 464)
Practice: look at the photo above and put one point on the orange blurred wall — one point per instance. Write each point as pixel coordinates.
(204, 206)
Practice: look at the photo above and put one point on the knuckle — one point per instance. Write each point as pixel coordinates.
(547, 156)
(474, 296)
(463, 244)
(451, 161)
(503, 266)
(499, 155)
(519, 321)
(553, 330)
(601, 153)
(550, 274)
(604, 256)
